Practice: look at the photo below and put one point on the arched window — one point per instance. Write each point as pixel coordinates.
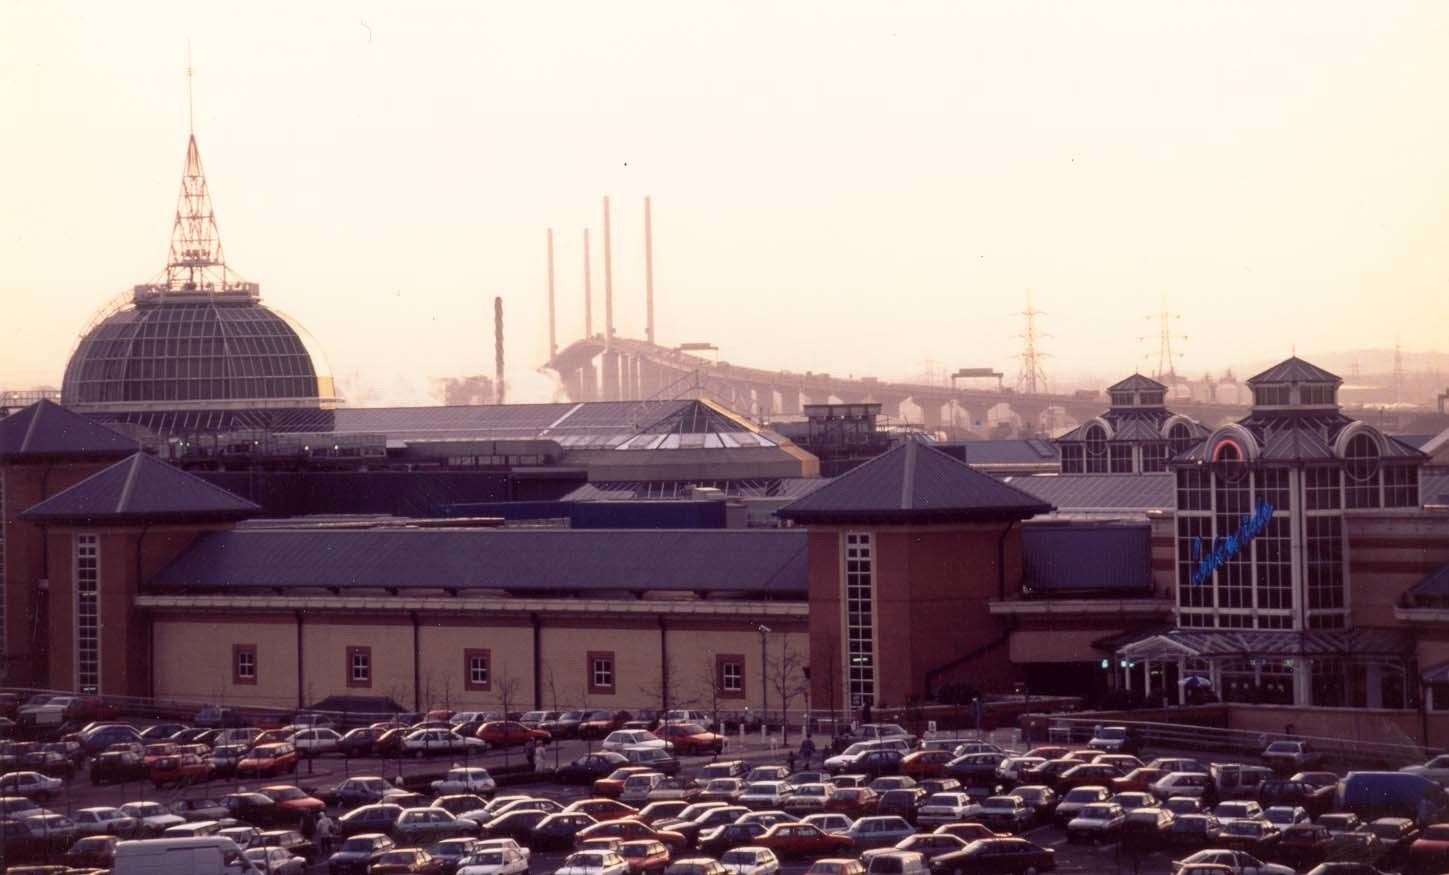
(1180, 436)
(1361, 467)
(1228, 460)
(1096, 437)
(1361, 457)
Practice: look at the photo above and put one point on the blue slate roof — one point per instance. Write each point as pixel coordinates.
(760, 562)
(1137, 383)
(1079, 558)
(141, 488)
(1294, 370)
(1077, 492)
(913, 482)
(46, 430)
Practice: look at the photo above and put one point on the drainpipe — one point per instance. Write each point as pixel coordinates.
(301, 663)
(417, 667)
(663, 666)
(537, 661)
(1001, 558)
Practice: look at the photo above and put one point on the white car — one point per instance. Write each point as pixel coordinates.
(765, 795)
(473, 779)
(1238, 862)
(593, 863)
(1095, 822)
(474, 717)
(507, 844)
(621, 739)
(153, 817)
(1193, 784)
(1436, 769)
(496, 860)
(1013, 768)
(808, 798)
(276, 861)
(942, 808)
(104, 820)
(422, 742)
(31, 785)
(832, 822)
(750, 860)
(883, 730)
(638, 787)
(315, 742)
(1238, 810)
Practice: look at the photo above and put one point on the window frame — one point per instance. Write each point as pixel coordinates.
(355, 650)
(597, 689)
(721, 662)
(237, 652)
(470, 654)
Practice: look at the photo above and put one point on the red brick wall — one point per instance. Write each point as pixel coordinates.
(25, 487)
(932, 588)
(827, 662)
(125, 641)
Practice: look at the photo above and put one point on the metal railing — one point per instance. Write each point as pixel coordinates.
(1237, 742)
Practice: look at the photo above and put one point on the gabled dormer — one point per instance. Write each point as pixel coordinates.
(1137, 393)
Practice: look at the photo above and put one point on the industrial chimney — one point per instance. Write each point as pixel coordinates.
(498, 349)
(648, 274)
(608, 281)
(552, 328)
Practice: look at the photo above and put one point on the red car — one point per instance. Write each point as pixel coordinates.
(292, 802)
(155, 752)
(644, 856)
(627, 829)
(180, 769)
(407, 861)
(691, 739)
(613, 785)
(268, 760)
(1430, 851)
(1138, 780)
(597, 724)
(854, 801)
(511, 733)
(926, 763)
(602, 809)
(803, 840)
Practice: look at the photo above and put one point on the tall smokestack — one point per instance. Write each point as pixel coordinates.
(648, 273)
(498, 349)
(552, 328)
(588, 291)
(608, 281)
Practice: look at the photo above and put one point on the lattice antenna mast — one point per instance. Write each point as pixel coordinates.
(1031, 379)
(1166, 358)
(197, 261)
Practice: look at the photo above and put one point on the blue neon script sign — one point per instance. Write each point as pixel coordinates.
(1226, 548)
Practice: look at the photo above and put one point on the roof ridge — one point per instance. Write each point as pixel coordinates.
(908, 476)
(34, 422)
(125, 499)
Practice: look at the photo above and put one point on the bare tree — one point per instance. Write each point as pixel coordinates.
(669, 691)
(786, 675)
(710, 690)
(507, 686)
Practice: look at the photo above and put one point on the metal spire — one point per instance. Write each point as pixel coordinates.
(196, 262)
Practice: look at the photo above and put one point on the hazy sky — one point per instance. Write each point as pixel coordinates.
(840, 186)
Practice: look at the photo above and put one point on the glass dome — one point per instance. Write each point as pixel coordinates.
(198, 350)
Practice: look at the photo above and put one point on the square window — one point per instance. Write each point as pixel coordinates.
(730, 675)
(601, 672)
(244, 664)
(478, 670)
(359, 666)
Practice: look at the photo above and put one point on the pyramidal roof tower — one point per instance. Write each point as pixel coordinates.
(197, 262)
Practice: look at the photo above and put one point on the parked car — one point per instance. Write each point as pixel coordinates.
(357, 853)
(556, 832)
(276, 861)
(494, 860)
(1288, 756)
(1194, 784)
(405, 861)
(1098, 822)
(378, 817)
(92, 852)
(31, 785)
(624, 739)
(795, 840)
(1003, 814)
(469, 779)
(1237, 862)
(998, 856)
(750, 860)
(429, 742)
(1115, 739)
(691, 739)
(511, 733)
(593, 863)
(878, 832)
(424, 826)
(268, 760)
(591, 767)
(1255, 836)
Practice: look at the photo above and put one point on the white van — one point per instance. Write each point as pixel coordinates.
(208, 855)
